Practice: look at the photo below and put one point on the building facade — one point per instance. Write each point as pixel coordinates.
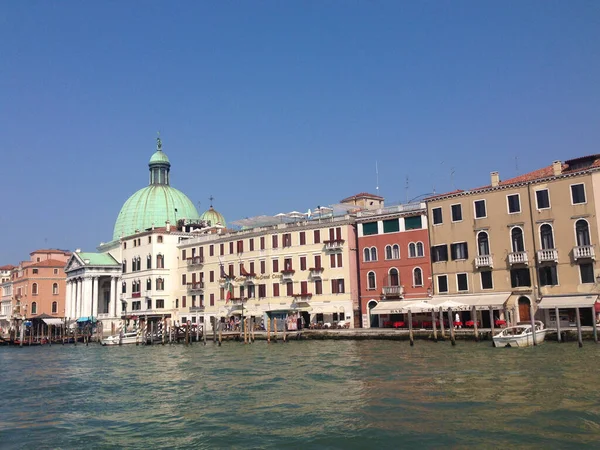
(6, 299)
(520, 240)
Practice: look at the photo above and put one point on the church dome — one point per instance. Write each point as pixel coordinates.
(213, 217)
(156, 203)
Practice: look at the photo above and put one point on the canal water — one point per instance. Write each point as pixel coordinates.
(310, 394)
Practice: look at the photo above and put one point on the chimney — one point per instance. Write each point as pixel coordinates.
(557, 168)
(168, 225)
(495, 179)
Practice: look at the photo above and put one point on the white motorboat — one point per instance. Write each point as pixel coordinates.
(520, 335)
(121, 339)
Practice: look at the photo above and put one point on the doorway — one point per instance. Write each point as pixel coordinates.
(373, 318)
(524, 310)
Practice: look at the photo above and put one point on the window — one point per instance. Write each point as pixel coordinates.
(275, 265)
(286, 240)
(221, 249)
(318, 262)
(55, 289)
(412, 250)
(516, 237)
(437, 216)
(240, 246)
(578, 193)
(231, 247)
(317, 236)
(367, 255)
(183, 279)
(459, 250)
(251, 244)
(520, 278)
(337, 286)
(160, 262)
(34, 308)
(149, 239)
(160, 284)
(420, 250)
(262, 290)
(546, 238)
(148, 262)
(287, 264)
(263, 266)
(275, 289)
(371, 285)
(548, 276)
(124, 288)
(442, 283)
(373, 253)
(369, 228)
(514, 203)
(211, 250)
(183, 301)
(582, 232)
(160, 303)
(480, 210)
(483, 244)
(183, 254)
(388, 252)
(34, 271)
(391, 226)
(462, 282)
(587, 273)
(318, 287)
(55, 271)
(124, 266)
(486, 280)
(456, 211)
(302, 238)
(413, 223)
(393, 277)
(289, 287)
(54, 307)
(542, 199)
(159, 239)
(439, 253)
(303, 262)
(417, 277)
(148, 284)
(34, 289)
(395, 251)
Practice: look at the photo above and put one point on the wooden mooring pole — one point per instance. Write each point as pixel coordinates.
(441, 315)
(594, 325)
(451, 325)
(532, 321)
(579, 337)
(411, 338)
(474, 319)
(434, 325)
(558, 336)
(214, 321)
(268, 330)
(220, 325)
(492, 324)
(274, 329)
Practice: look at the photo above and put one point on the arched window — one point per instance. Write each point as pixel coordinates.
(34, 289)
(34, 308)
(516, 235)
(388, 252)
(160, 262)
(149, 262)
(420, 250)
(124, 288)
(124, 266)
(176, 303)
(483, 244)
(417, 277)
(412, 250)
(373, 253)
(396, 251)
(371, 280)
(133, 265)
(582, 230)
(54, 307)
(160, 284)
(394, 277)
(148, 284)
(367, 254)
(55, 289)
(546, 237)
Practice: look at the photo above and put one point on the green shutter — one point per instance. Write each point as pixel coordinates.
(391, 226)
(413, 223)
(369, 228)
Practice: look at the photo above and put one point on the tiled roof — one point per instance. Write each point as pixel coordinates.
(51, 250)
(7, 267)
(48, 263)
(361, 195)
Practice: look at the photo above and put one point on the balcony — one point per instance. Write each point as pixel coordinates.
(315, 272)
(584, 252)
(303, 296)
(195, 261)
(334, 244)
(484, 261)
(199, 308)
(518, 258)
(287, 274)
(136, 294)
(548, 255)
(392, 291)
(195, 287)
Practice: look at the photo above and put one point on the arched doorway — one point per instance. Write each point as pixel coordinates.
(373, 318)
(524, 309)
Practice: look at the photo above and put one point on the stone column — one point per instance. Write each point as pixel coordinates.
(94, 311)
(85, 296)
(114, 295)
(68, 299)
(74, 299)
(78, 286)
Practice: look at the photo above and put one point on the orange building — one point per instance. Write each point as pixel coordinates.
(39, 285)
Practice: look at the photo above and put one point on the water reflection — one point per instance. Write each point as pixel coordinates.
(332, 394)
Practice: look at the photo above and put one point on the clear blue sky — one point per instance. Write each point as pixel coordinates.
(275, 106)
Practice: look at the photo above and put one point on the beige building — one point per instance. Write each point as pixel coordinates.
(520, 242)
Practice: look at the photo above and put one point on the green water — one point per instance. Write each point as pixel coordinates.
(315, 394)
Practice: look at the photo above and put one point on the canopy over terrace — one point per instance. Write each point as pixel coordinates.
(403, 306)
(479, 301)
(568, 301)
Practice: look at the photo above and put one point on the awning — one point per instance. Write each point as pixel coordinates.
(53, 321)
(568, 301)
(402, 307)
(86, 319)
(479, 301)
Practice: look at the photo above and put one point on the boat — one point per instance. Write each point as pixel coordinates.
(121, 339)
(520, 335)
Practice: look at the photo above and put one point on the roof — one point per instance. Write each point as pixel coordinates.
(7, 267)
(51, 250)
(569, 167)
(159, 157)
(48, 263)
(213, 217)
(361, 195)
(97, 259)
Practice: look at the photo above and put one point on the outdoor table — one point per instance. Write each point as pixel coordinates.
(427, 324)
(457, 323)
(470, 323)
(500, 323)
(398, 324)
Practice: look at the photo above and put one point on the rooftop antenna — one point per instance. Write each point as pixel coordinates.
(406, 188)
(452, 178)
(376, 178)
(517, 164)
(198, 203)
(211, 198)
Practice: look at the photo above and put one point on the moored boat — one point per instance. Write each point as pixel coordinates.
(520, 335)
(121, 339)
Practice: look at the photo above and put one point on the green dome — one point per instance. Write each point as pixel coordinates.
(159, 157)
(213, 217)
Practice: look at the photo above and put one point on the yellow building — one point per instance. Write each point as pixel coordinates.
(521, 242)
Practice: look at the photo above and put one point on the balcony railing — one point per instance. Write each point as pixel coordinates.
(584, 252)
(393, 291)
(334, 244)
(199, 308)
(548, 255)
(136, 294)
(304, 296)
(197, 286)
(518, 258)
(484, 261)
(195, 261)
(287, 274)
(315, 272)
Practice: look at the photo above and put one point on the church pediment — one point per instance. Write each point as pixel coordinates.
(73, 263)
